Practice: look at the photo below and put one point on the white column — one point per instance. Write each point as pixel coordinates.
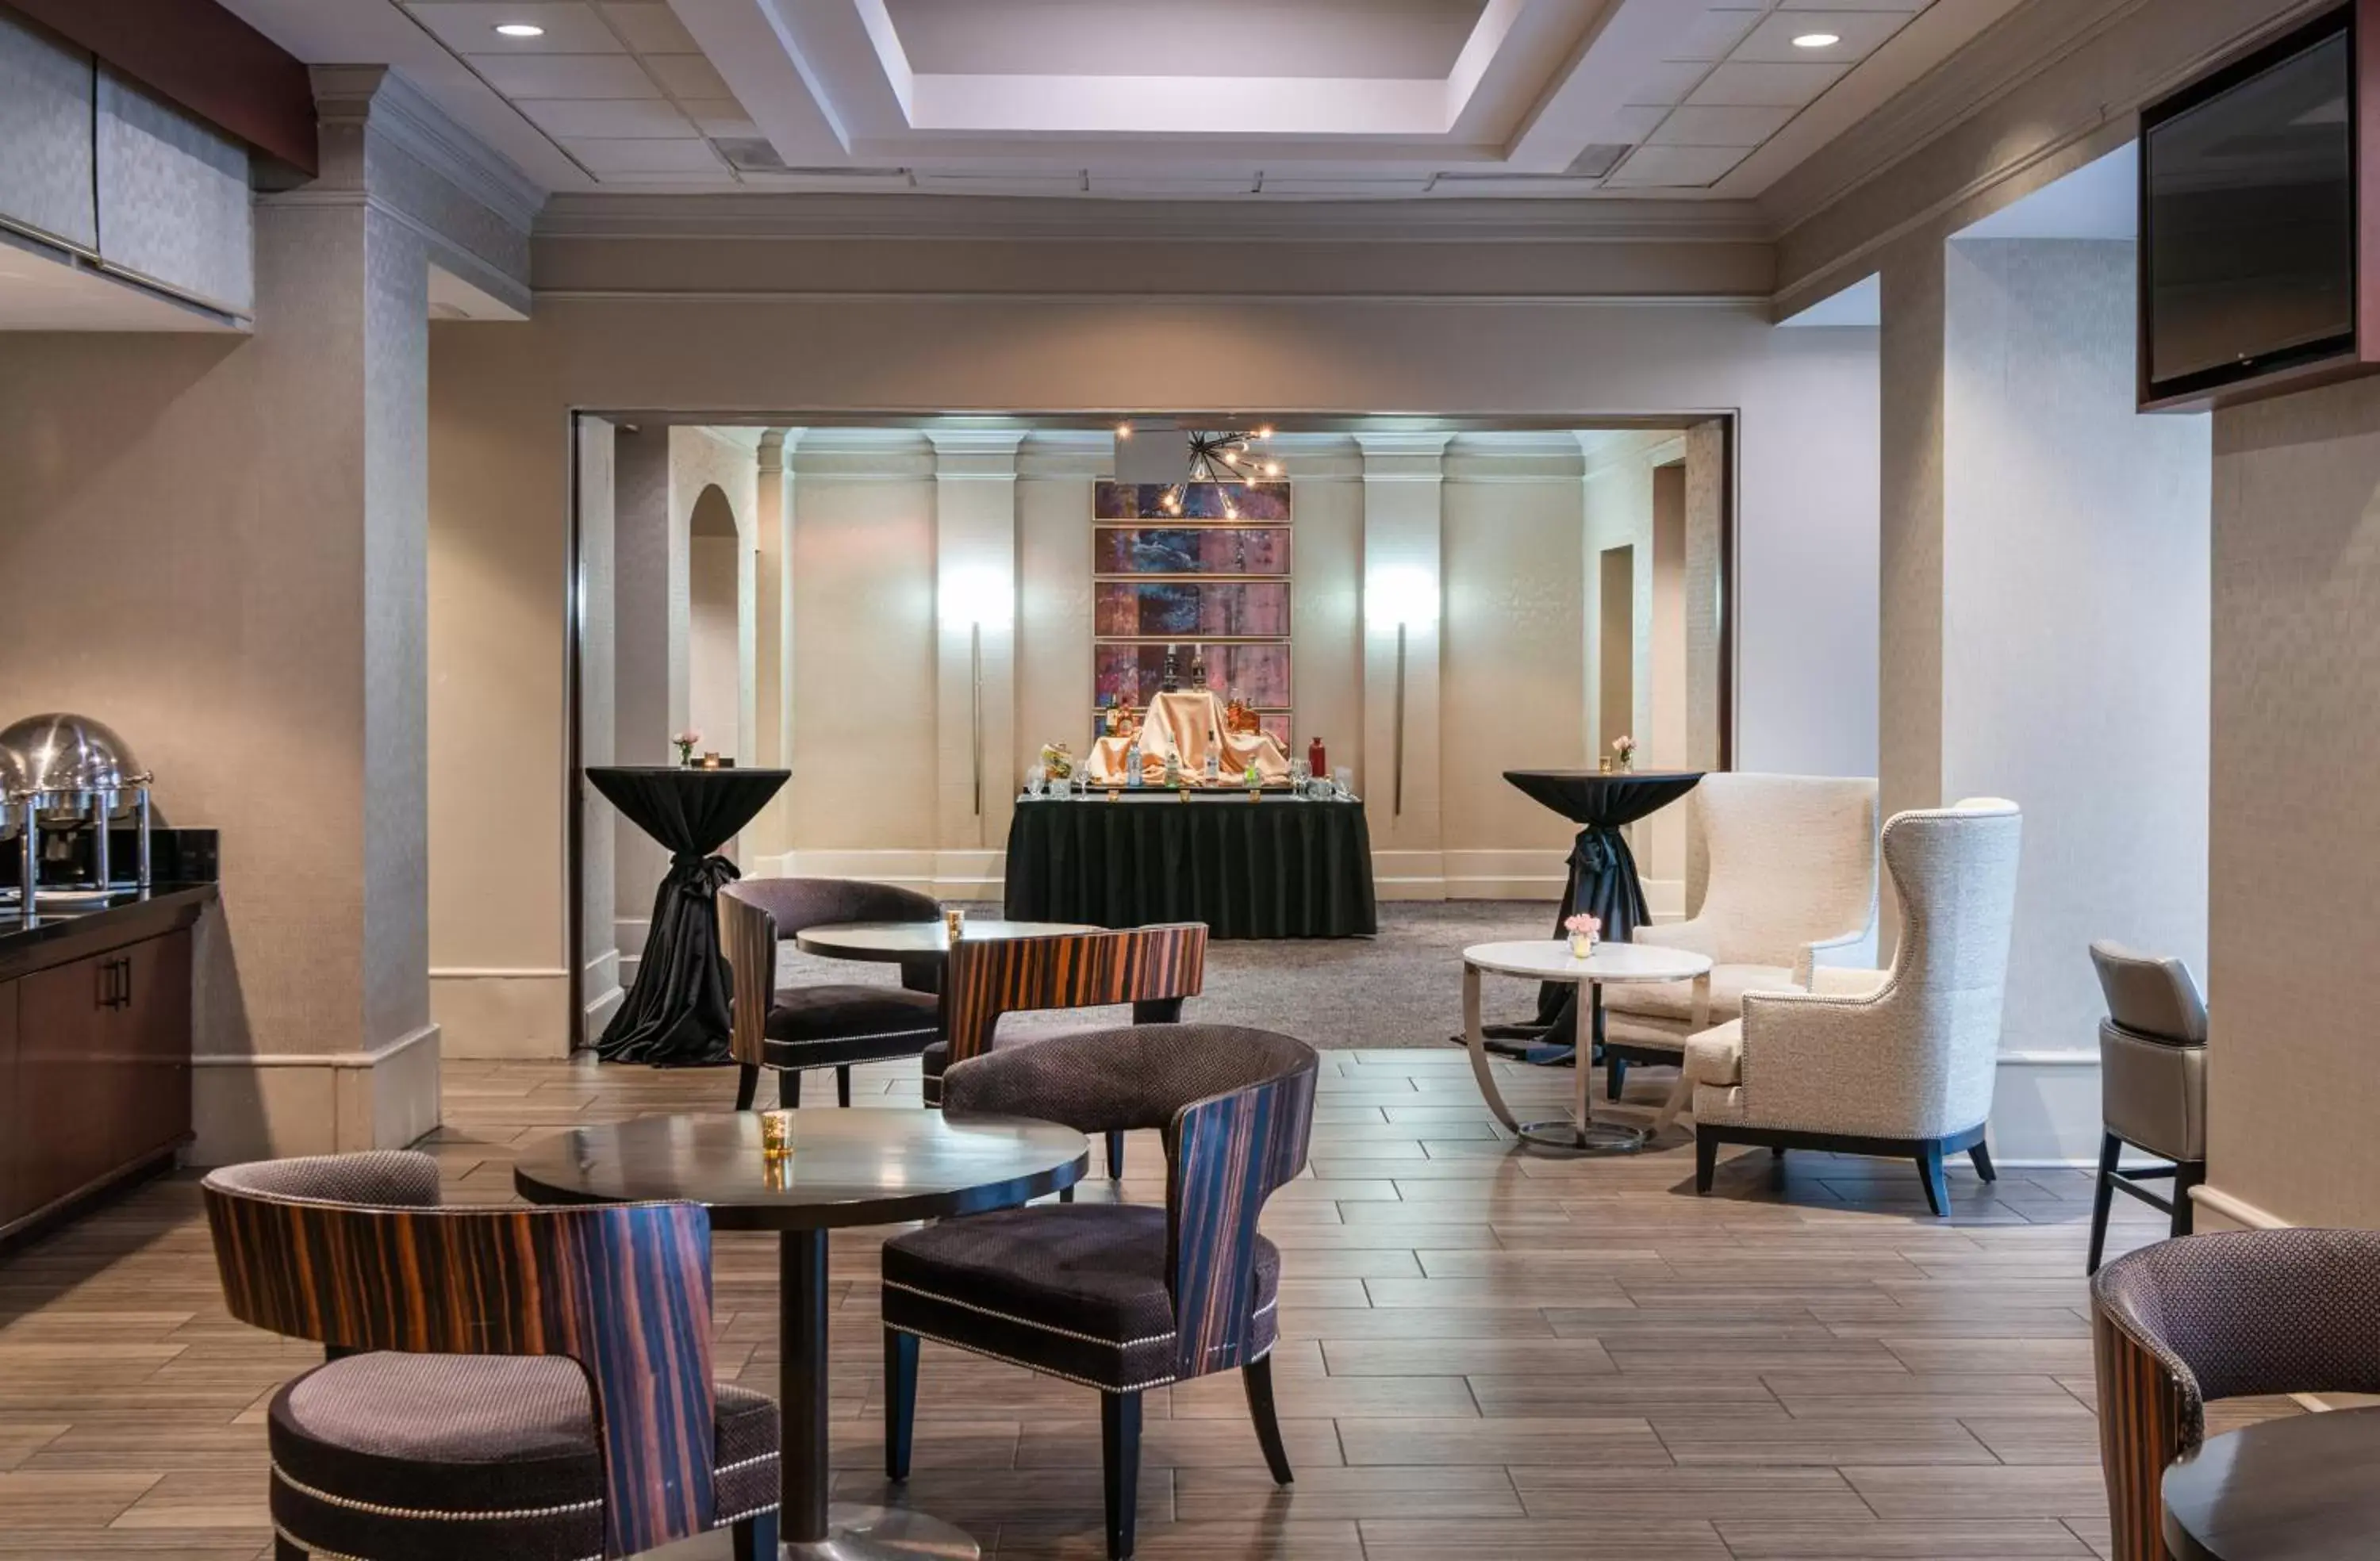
(1402, 596)
(975, 592)
(768, 839)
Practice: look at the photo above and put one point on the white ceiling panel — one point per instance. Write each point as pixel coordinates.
(1689, 167)
(1387, 39)
(689, 76)
(1715, 32)
(470, 28)
(1861, 32)
(720, 116)
(1765, 86)
(609, 118)
(1719, 126)
(564, 76)
(651, 28)
(1665, 83)
(648, 157)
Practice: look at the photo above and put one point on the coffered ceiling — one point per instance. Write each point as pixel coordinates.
(1149, 99)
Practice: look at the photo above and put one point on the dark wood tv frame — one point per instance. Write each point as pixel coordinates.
(2361, 356)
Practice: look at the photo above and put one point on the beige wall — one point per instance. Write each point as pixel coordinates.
(2292, 917)
(1513, 682)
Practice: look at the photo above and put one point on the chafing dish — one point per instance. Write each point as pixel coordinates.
(60, 774)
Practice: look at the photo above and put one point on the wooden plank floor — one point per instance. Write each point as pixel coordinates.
(1482, 1351)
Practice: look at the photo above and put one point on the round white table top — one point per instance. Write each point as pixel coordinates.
(889, 941)
(1550, 959)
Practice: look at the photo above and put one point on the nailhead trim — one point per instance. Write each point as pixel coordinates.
(319, 1554)
(377, 1510)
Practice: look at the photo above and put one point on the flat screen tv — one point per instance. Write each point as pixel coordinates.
(2249, 219)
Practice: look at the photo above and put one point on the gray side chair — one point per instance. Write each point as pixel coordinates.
(2152, 1083)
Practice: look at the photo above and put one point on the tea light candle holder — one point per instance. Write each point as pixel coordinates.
(953, 923)
(776, 1135)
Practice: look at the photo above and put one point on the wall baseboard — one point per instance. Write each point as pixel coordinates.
(503, 1013)
(270, 1104)
(976, 875)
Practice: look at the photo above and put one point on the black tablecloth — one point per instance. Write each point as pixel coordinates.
(676, 1013)
(1277, 867)
(1603, 879)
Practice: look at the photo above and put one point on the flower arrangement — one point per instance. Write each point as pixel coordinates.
(685, 741)
(1584, 930)
(1623, 749)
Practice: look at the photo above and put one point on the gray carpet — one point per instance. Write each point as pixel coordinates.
(1402, 988)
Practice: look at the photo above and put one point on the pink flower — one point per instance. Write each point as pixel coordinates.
(688, 738)
(1583, 926)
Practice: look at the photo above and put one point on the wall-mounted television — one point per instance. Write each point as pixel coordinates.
(2251, 204)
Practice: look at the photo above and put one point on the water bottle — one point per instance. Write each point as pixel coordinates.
(1132, 764)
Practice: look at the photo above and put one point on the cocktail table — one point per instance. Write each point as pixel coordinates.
(1551, 961)
(874, 1166)
(2297, 1489)
(911, 942)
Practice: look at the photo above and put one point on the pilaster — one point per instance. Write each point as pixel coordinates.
(975, 600)
(1404, 594)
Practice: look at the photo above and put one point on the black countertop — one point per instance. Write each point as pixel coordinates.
(69, 928)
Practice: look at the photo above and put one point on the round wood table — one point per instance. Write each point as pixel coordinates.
(1551, 961)
(908, 942)
(2299, 1489)
(876, 1165)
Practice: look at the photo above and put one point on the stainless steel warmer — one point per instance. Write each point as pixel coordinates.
(62, 773)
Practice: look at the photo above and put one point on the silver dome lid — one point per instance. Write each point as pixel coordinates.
(53, 753)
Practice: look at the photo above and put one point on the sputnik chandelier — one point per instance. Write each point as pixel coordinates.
(1226, 459)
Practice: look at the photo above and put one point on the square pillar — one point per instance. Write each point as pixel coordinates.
(1404, 482)
(975, 614)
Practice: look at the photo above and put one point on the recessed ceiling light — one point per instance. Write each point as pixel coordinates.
(1817, 39)
(520, 29)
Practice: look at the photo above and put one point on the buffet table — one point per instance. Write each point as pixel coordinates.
(1279, 867)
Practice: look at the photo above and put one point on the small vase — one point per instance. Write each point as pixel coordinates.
(1581, 945)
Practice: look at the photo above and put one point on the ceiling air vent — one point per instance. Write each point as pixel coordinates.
(751, 154)
(1596, 161)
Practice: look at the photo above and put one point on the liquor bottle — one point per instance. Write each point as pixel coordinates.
(1174, 769)
(1214, 764)
(1317, 761)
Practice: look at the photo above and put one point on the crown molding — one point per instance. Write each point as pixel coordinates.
(392, 108)
(962, 218)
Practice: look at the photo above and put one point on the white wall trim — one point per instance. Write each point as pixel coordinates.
(371, 1059)
(2239, 1209)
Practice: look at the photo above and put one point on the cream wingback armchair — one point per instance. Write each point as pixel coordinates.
(1791, 886)
(1895, 1062)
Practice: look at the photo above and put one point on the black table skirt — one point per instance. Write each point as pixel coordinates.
(1603, 879)
(1275, 868)
(675, 1015)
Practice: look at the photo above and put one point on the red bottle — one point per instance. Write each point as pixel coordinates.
(1317, 761)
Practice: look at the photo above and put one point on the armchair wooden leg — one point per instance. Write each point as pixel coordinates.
(843, 1085)
(1929, 1171)
(900, 1400)
(1120, 1459)
(789, 1087)
(756, 1537)
(747, 1083)
(1983, 1161)
(2103, 1194)
(1705, 1160)
(1115, 1156)
(1257, 1378)
(2187, 1174)
(286, 1549)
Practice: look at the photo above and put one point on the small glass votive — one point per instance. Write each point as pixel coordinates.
(776, 1135)
(953, 923)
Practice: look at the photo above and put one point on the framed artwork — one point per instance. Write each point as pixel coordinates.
(1209, 577)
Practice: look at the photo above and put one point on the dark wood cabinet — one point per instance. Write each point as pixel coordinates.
(95, 1063)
